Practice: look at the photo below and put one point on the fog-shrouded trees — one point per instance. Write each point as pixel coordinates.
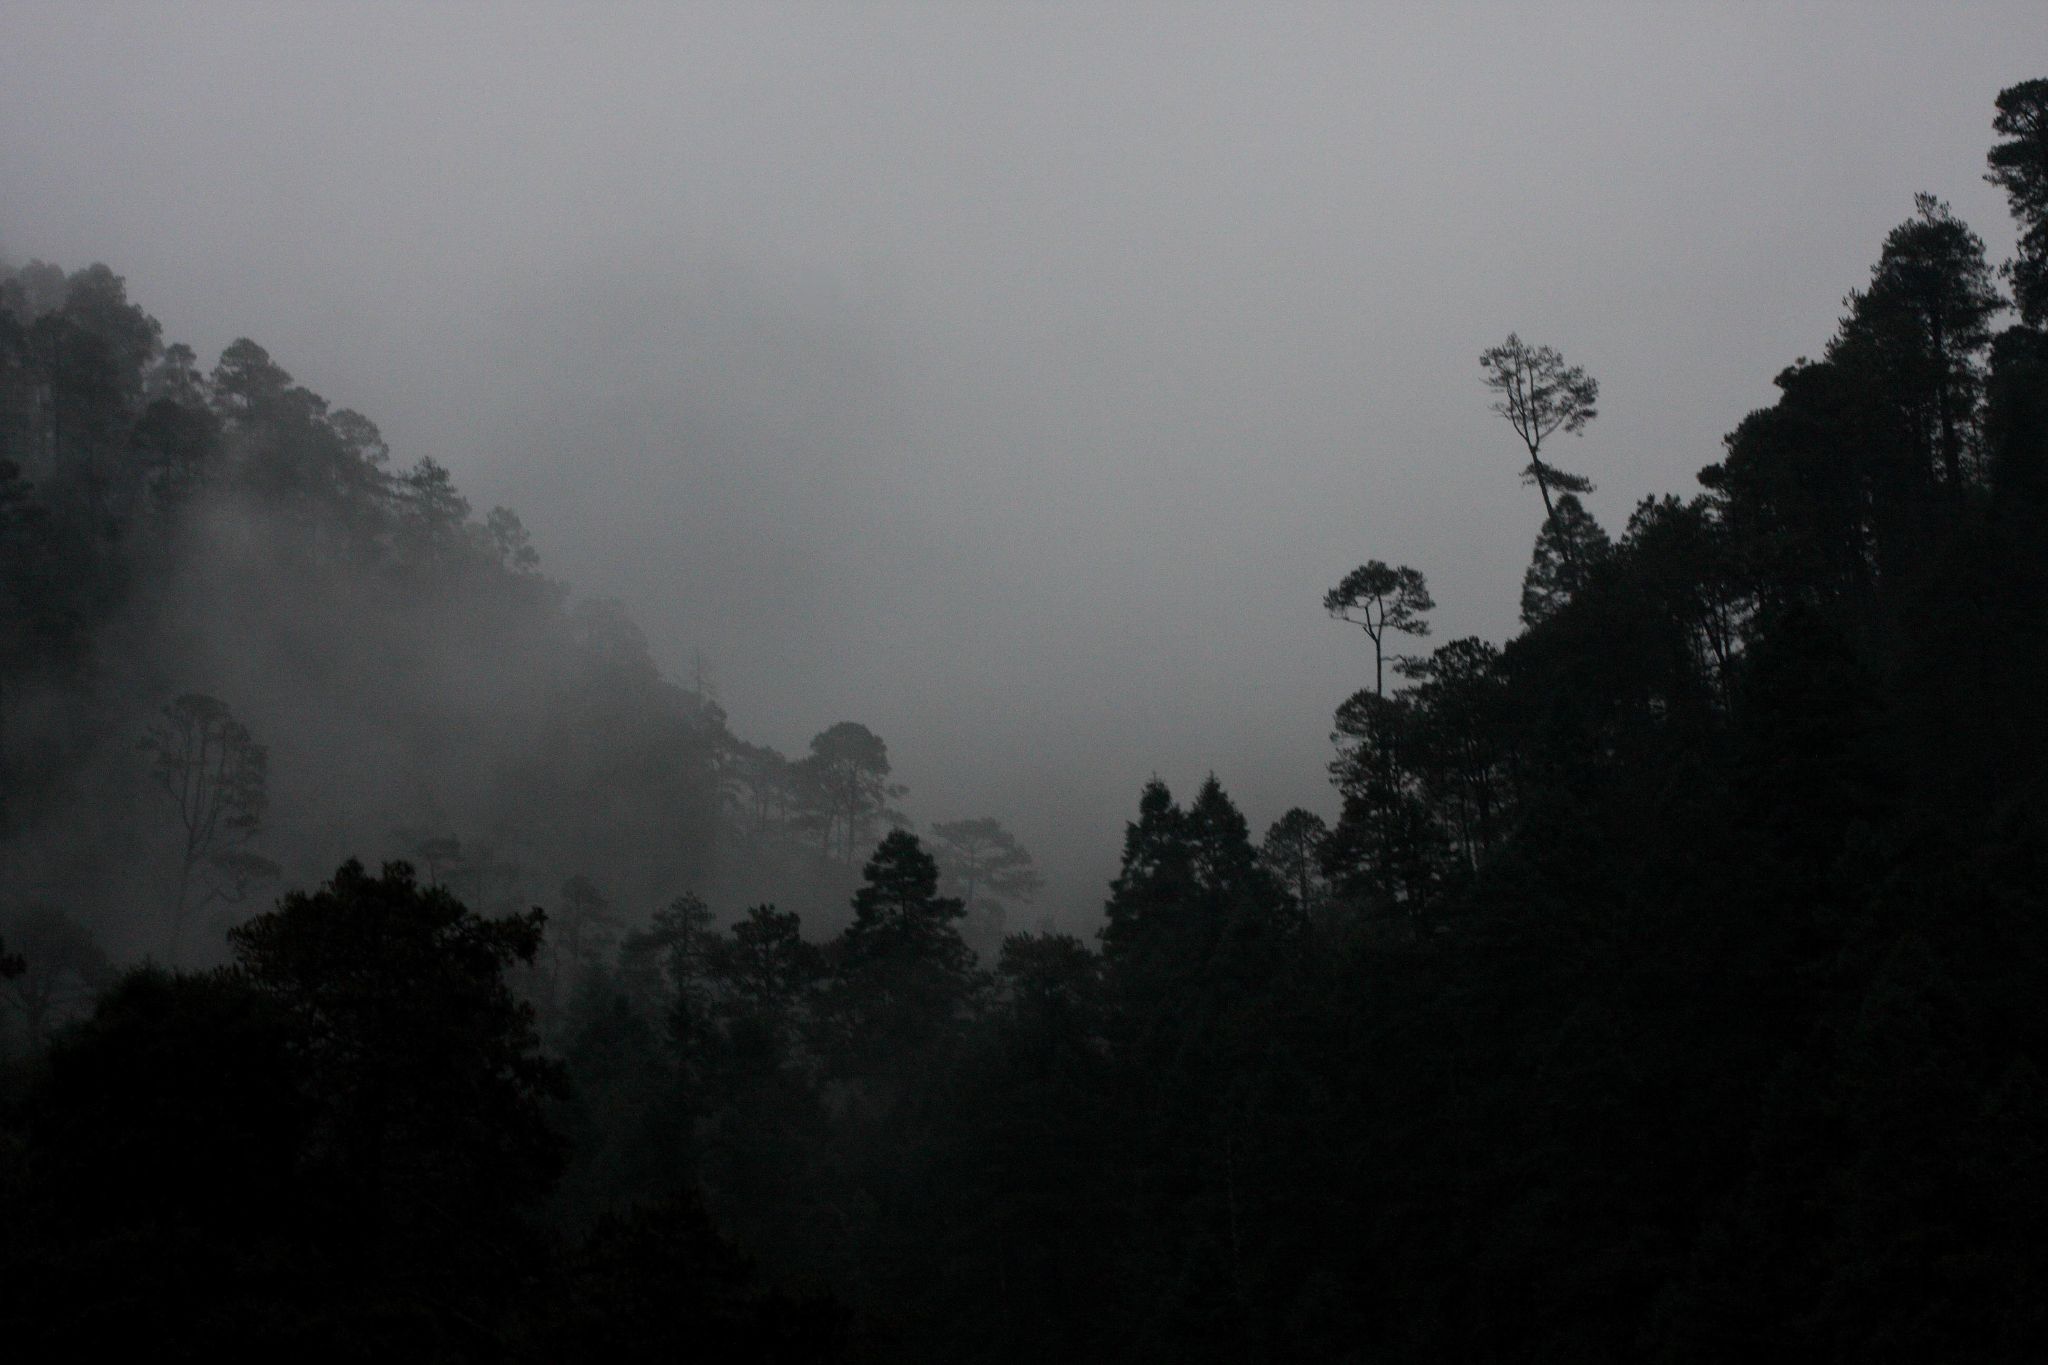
(91, 352)
(760, 787)
(1540, 396)
(670, 960)
(157, 510)
(583, 929)
(1671, 984)
(62, 967)
(216, 776)
(441, 856)
(19, 606)
(845, 783)
(766, 968)
(1383, 601)
(985, 865)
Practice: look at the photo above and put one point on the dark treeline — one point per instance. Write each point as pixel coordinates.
(1672, 985)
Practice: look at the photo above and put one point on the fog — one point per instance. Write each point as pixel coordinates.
(1012, 380)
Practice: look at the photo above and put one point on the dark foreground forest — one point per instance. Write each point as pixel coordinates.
(1672, 986)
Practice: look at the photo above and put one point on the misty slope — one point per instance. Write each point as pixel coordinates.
(417, 687)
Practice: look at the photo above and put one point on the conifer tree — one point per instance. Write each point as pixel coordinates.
(1919, 332)
(1567, 548)
(903, 976)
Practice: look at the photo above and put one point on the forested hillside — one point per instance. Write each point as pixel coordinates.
(1672, 985)
(243, 642)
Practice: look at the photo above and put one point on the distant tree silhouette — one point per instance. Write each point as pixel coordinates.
(61, 967)
(584, 929)
(216, 776)
(1540, 395)
(846, 777)
(510, 542)
(440, 854)
(984, 861)
(249, 386)
(673, 956)
(19, 602)
(761, 786)
(432, 509)
(177, 443)
(92, 352)
(1381, 600)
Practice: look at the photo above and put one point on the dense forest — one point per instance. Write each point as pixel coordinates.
(1672, 984)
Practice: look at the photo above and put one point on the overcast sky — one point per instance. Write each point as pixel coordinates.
(1013, 379)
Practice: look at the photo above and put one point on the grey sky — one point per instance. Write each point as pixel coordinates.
(1013, 379)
